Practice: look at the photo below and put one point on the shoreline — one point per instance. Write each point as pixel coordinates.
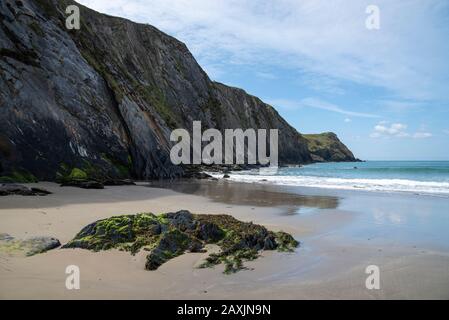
(329, 264)
(343, 179)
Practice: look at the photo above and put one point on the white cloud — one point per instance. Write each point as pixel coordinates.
(397, 130)
(382, 129)
(317, 104)
(320, 104)
(422, 135)
(347, 120)
(318, 37)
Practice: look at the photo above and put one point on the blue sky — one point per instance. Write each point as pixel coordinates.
(385, 92)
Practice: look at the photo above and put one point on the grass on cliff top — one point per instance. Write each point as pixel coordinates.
(169, 235)
(319, 141)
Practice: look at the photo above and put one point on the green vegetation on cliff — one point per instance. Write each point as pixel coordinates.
(18, 176)
(327, 147)
(116, 87)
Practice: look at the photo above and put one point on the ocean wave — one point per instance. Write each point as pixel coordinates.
(383, 185)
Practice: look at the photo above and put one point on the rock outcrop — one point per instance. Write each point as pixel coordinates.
(29, 246)
(327, 147)
(17, 189)
(171, 234)
(104, 99)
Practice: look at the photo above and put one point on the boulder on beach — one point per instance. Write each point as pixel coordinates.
(18, 189)
(29, 246)
(83, 184)
(169, 235)
(118, 182)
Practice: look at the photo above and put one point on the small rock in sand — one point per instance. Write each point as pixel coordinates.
(83, 184)
(29, 246)
(18, 189)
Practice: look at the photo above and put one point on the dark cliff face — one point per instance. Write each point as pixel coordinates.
(327, 147)
(108, 95)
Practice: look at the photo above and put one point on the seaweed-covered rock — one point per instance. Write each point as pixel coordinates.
(209, 232)
(130, 232)
(171, 244)
(29, 246)
(171, 234)
(182, 220)
(243, 241)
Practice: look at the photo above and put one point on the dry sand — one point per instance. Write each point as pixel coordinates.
(327, 265)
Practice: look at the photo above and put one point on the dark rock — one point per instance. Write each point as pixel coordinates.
(209, 232)
(7, 189)
(197, 175)
(83, 184)
(40, 191)
(108, 101)
(171, 244)
(269, 243)
(17, 189)
(118, 182)
(182, 220)
(226, 176)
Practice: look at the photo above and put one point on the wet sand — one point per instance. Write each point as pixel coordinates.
(340, 233)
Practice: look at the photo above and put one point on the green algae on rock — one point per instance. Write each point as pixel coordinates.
(169, 235)
(327, 147)
(18, 176)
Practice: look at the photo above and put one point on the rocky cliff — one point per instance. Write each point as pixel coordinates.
(106, 97)
(327, 147)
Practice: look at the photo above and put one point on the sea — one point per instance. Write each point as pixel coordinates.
(418, 177)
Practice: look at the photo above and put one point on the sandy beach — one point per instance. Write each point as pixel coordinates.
(341, 233)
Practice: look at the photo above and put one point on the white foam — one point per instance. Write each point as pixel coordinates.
(384, 185)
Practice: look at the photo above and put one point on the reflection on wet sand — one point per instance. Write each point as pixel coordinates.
(249, 194)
